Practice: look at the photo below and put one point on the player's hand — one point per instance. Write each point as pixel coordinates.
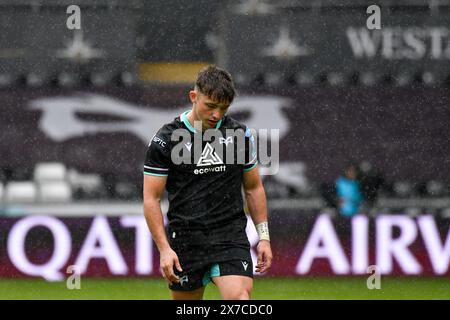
(264, 256)
(169, 259)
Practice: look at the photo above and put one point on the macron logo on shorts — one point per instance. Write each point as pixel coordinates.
(245, 265)
(184, 279)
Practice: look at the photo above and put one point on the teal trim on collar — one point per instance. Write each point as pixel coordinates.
(186, 121)
(184, 118)
(219, 124)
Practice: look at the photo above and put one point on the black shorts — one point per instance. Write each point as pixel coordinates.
(192, 279)
(203, 257)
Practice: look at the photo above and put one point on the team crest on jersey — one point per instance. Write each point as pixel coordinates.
(209, 157)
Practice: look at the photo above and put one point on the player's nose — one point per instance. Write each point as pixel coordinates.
(217, 114)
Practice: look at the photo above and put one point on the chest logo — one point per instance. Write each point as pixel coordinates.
(209, 157)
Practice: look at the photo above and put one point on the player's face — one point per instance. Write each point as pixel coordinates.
(206, 110)
(351, 173)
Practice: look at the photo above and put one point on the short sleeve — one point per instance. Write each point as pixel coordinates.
(251, 158)
(157, 159)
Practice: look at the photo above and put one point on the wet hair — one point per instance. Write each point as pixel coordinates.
(215, 83)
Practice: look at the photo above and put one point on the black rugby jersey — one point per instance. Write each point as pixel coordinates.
(204, 193)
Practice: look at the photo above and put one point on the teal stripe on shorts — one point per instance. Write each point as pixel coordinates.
(214, 271)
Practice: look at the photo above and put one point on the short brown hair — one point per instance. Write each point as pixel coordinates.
(216, 83)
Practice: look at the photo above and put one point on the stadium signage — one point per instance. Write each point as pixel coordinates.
(324, 242)
(99, 243)
(396, 43)
(47, 246)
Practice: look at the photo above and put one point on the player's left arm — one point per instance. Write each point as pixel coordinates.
(257, 205)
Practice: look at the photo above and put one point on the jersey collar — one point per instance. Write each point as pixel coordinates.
(186, 122)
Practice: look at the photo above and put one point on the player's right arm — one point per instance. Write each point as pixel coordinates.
(156, 171)
(153, 190)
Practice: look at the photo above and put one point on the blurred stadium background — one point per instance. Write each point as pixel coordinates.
(78, 107)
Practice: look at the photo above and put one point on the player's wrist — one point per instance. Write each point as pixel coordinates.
(164, 247)
(263, 231)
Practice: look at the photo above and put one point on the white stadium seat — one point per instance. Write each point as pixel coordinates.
(20, 192)
(54, 191)
(86, 182)
(50, 171)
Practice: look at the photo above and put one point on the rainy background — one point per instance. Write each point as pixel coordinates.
(359, 206)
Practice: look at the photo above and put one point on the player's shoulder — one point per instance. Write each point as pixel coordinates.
(231, 123)
(168, 128)
(163, 134)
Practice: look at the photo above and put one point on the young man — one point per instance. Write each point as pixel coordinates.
(206, 239)
(348, 192)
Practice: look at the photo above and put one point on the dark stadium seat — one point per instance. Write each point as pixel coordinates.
(127, 191)
(274, 189)
(435, 188)
(403, 189)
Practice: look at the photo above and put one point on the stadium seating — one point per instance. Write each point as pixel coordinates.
(20, 192)
(51, 182)
(445, 213)
(403, 189)
(126, 191)
(274, 189)
(293, 175)
(54, 191)
(49, 171)
(54, 183)
(435, 188)
(84, 185)
(413, 212)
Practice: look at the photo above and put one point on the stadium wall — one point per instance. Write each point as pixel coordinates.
(303, 244)
(403, 132)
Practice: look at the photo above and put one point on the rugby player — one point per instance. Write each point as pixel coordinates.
(205, 240)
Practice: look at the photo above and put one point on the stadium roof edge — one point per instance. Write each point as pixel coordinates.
(359, 3)
(65, 3)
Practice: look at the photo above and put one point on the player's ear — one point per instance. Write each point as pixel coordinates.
(193, 96)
